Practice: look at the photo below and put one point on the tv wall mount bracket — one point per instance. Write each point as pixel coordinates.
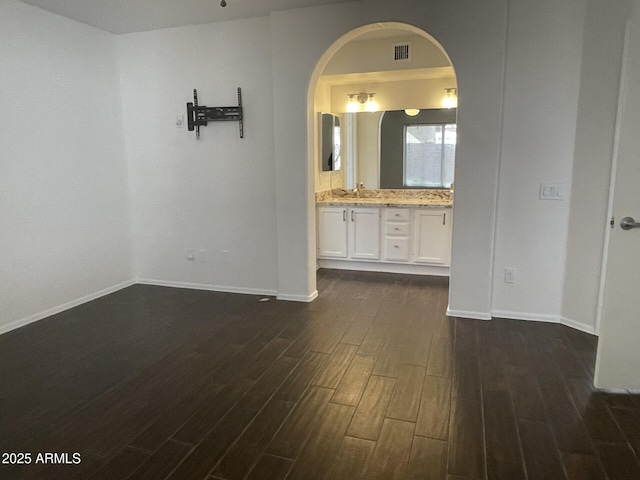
(200, 115)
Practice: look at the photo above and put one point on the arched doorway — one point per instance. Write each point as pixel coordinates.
(420, 84)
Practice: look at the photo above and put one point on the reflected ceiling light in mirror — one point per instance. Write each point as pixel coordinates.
(411, 112)
(361, 101)
(450, 99)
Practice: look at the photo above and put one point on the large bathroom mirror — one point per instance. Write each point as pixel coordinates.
(396, 150)
(331, 144)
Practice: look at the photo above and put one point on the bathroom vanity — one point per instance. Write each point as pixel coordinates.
(403, 231)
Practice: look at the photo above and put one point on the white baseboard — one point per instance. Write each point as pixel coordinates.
(616, 391)
(583, 327)
(298, 298)
(534, 317)
(293, 298)
(466, 314)
(228, 289)
(145, 281)
(65, 306)
(208, 287)
(408, 268)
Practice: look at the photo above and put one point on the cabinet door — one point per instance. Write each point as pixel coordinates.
(332, 232)
(432, 237)
(364, 233)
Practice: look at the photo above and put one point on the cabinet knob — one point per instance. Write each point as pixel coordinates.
(396, 229)
(396, 246)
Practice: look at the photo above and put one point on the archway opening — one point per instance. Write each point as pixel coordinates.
(382, 108)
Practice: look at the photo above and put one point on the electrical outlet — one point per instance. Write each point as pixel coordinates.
(509, 275)
(191, 255)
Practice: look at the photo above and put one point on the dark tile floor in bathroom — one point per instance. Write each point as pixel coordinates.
(370, 381)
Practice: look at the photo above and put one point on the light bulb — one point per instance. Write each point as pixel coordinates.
(412, 112)
(352, 105)
(372, 105)
(450, 99)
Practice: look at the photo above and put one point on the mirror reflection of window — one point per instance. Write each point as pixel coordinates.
(337, 144)
(429, 155)
(383, 140)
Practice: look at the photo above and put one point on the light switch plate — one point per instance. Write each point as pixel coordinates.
(552, 191)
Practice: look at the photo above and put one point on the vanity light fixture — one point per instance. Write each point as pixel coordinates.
(352, 104)
(359, 101)
(411, 112)
(450, 99)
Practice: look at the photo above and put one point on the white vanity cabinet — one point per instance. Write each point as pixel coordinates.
(432, 237)
(397, 234)
(349, 232)
(398, 239)
(332, 232)
(364, 233)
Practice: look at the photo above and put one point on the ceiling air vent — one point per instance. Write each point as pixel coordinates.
(402, 52)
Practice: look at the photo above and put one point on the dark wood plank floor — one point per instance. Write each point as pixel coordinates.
(370, 381)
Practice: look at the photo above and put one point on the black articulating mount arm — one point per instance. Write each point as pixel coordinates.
(200, 115)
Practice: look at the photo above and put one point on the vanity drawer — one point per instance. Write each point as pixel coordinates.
(397, 214)
(396, 229)
(396, 249)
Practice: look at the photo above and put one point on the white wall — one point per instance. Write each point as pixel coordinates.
(539, 125)
(215, 194)
(368, 149)
(64, 216)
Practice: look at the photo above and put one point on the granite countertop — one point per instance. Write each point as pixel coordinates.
(441, 198)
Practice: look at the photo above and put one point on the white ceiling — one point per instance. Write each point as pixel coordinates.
(128, 16)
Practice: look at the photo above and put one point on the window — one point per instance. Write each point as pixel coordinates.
(429, 155)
